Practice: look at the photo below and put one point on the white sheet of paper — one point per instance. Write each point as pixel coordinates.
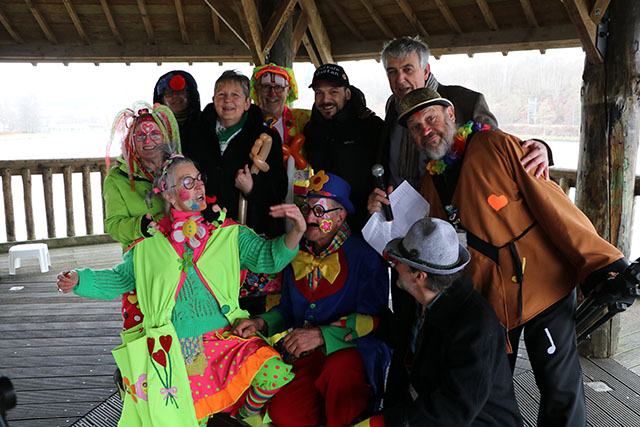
(407, 206)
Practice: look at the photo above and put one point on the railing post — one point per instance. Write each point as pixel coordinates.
(47, 187)
(28, 203)
(103, 176)
(8, 205)
(68, 200)
(86, 193)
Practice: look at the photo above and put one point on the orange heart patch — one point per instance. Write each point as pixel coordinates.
(497, 202)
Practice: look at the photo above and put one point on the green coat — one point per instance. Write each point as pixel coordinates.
(125, 208)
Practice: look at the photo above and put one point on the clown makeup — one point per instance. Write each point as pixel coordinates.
(147, 137)
(326, 224)
(190, 197)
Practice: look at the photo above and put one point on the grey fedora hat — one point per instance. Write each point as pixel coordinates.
(430, 245)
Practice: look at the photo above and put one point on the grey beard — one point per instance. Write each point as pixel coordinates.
(446, 143)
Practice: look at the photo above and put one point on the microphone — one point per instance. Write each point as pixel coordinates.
(378, 172)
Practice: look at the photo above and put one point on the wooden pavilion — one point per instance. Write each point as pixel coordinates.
(324, 31)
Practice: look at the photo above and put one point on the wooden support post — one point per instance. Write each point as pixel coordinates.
(609, 144)
(86, 194)
(28, 203)
(68, 200)
(47, 187)
(10, 223)
(103, 175)
(271, 14)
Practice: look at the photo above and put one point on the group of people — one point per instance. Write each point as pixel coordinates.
(500, 254)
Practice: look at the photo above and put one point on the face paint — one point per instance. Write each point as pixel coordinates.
(323, 203)
(194, 206)
(326, 225)
(184, 194)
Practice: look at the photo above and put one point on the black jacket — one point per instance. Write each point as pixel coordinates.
(345, 146)
(269, 188)
(460, 370)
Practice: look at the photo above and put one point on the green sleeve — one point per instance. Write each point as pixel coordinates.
(119, 223)
(334, 338)
(263, 256)
(107, 284)
(275, 322)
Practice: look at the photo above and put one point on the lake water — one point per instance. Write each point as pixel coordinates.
(92, 143)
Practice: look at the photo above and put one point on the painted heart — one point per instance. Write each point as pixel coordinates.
(160, 357)
(497, 202)
(165, 342)
(150, 344)
(132, 298)
(147, 127)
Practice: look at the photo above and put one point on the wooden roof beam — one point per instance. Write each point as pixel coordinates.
(448, 16)
(76, 20)
(41, 22)
(338, 10)
(319, 33)
(6, 23)
(299, 31)
(216, 27)
(587, 29)
(412, 17)
(281, 14)
(112, 23)
(598, 10)
(487, 14)
(251, 27)
(528, 13)
(310, 50)
(378, 19)
(221, 9)
(181, 22)
(146, 20)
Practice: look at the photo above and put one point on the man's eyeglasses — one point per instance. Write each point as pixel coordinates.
(189, 182)
(154, 135)
(318, 210)
(277, 89)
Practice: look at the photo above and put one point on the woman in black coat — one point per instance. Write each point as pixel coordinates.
(234, 124)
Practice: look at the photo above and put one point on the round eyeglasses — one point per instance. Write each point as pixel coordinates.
(154, 135)
(318, 210)
(277, 89)
(189, 182)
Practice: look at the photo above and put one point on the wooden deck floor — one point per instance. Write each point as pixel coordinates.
(56, 349)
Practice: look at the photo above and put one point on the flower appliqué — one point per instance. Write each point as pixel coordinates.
(190, 230)
(317, 181)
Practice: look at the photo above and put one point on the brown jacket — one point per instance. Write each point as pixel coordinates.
(497, 201)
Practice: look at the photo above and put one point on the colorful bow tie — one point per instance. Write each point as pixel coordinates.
(304, 263)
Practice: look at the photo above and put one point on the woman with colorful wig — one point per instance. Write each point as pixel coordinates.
(184, 364)
(146, 135)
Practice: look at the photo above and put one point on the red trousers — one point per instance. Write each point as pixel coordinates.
(327, 390)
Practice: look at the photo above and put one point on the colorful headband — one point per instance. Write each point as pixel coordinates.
(286, 72)
(162, 182)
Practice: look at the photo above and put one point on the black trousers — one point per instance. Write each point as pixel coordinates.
(551, 343)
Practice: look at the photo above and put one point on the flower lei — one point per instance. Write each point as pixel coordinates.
(437, 167)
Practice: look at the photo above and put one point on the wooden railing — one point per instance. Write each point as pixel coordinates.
(47, 168)
(566, 178)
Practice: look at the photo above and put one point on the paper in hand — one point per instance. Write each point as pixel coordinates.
(407, 205)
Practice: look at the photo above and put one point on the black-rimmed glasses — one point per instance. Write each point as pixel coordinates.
(189, 182)
(318, 210)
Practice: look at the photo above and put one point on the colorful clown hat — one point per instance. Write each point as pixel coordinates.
(330, 186)
(285, 72)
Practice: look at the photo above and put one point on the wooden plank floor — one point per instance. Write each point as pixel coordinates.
(56, 349)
